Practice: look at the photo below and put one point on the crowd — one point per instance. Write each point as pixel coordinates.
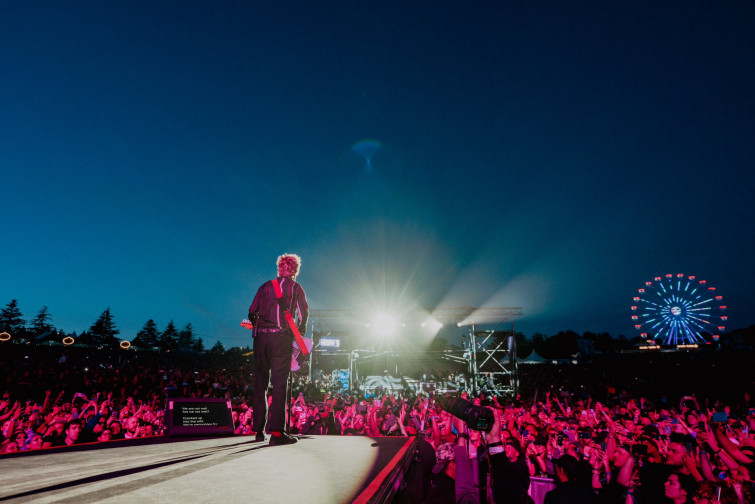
(616, 445)
(52, 398)
(628, 451)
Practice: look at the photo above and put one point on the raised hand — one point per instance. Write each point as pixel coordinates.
(494, 435)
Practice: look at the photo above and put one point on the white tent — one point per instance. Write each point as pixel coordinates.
(534, 358)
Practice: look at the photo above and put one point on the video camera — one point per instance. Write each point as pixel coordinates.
(478, 418)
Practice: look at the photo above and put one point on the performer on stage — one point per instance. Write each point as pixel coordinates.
(273, 340)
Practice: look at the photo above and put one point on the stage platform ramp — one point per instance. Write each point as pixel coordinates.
(317, 469)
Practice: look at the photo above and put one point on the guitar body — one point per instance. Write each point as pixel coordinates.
(247, 324)
(294, 362)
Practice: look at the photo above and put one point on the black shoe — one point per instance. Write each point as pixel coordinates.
(259, 438)
(283, 439)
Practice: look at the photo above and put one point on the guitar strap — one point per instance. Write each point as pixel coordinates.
(290, 319)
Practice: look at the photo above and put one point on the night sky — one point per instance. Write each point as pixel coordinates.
(156, 157)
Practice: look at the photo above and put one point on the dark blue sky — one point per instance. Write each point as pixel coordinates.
(156, 157)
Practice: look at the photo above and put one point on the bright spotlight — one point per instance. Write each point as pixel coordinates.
(385, 325)
(433, 324)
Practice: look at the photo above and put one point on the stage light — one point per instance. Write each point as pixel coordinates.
(385, 325)
(431, 325)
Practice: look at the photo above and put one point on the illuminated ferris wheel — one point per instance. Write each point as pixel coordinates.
(679, 310)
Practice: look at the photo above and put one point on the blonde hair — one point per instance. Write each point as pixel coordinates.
(288, 265)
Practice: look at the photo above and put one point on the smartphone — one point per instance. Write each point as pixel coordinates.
(719, 417)
(640, 449)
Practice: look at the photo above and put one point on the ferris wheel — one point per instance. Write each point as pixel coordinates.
(678, 310)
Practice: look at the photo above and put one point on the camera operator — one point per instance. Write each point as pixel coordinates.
(468, 443)
(443, 480)
(509, 475)
(419, 476)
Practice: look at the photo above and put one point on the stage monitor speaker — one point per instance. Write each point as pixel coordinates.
(198, 417)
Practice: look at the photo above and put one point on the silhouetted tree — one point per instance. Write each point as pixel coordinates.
(148, 337)
(11, 320)
(186, 337)
(218, 347)
(604, 343)
(169, 338)
(103, 331)
(198, 345)
(523, 345)
(538, 343)
(41, 323)
(561, 345)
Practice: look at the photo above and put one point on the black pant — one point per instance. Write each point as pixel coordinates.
(272, 362)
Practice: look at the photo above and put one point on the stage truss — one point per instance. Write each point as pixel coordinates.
(490, 361)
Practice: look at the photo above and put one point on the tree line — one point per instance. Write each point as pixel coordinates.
(103, 332)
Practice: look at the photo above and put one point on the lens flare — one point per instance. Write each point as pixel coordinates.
(385, 325)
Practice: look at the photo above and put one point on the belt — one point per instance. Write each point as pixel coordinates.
(268, 329)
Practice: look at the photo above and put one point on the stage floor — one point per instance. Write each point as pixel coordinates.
(317, 469)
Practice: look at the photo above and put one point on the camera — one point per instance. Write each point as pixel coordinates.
(476, 417)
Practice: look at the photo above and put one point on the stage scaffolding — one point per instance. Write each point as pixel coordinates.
(488, 355)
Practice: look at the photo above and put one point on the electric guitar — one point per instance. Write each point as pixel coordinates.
(295, 366)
